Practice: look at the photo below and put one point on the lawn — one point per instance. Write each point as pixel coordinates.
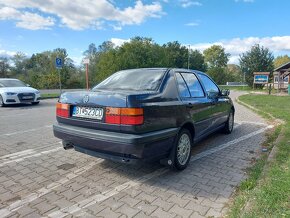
(266, 193)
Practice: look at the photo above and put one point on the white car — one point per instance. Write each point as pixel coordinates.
(13, 91)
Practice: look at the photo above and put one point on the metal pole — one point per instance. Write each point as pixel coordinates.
(59, 81)
(87, 75)
(188, 57)
(278, 88)
(244, 79)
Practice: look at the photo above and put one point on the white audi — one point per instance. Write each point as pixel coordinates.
(14, 91)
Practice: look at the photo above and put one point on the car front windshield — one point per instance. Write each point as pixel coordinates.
(11, 83)
(137, 80)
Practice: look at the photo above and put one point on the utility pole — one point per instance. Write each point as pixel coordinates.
(86, 61)
(188, 57)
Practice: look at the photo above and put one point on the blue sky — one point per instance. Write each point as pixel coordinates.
(32, 26)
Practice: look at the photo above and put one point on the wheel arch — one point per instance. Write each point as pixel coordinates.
(190, 127)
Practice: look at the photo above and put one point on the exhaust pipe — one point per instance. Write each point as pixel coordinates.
(67, 145)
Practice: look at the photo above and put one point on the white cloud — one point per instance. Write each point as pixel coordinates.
(80, 14)
(247, 1)
(118, 42)
(5, 53)
(188, 3)
(192, 24)
(27, 20)
(237, 46)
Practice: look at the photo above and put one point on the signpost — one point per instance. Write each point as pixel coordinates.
(59, 65)
(261, 78)
(86, 61)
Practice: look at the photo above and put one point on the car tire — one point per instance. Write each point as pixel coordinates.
(1, 102)
(182, 149)
(229, 125)
(35, 103)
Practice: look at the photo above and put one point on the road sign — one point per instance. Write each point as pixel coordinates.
(58, 63)
(86, 61)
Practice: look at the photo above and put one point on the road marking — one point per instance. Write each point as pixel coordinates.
(106, 194)
(17, 154)
(29, 156)
(26, 152)
(25, 131)
(135, 182)
(223, 146)
(43, 191)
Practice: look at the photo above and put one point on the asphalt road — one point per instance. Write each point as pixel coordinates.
(40, 179)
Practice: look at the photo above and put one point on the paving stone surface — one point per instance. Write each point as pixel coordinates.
(40, 179)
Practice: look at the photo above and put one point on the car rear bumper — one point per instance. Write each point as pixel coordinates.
(115, 145)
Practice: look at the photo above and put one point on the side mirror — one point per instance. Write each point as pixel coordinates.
(225, 92)
(27, 85)
(212, 95)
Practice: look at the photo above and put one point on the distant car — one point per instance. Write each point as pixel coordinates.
(144, 114)
(14, 91)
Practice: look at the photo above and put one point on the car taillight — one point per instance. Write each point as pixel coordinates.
(126, 116)
(62, 110)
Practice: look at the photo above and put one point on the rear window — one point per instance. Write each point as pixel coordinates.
(138, 80)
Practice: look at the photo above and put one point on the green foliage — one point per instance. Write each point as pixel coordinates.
(4, 66)
(280, 60)
(144, 52)
(216, 57)
(196, 61)
(258, 59)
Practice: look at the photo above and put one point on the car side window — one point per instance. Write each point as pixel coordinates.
(193, 84)
(210, 87)
(183, 90)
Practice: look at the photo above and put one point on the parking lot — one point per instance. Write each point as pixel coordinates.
(40, 179)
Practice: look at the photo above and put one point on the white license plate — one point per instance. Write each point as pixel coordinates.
(88, 112)
(27, 97)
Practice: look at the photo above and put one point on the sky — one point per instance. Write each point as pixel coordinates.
(34, 26)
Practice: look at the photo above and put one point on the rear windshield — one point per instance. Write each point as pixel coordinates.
(11, 83)
(139, 80)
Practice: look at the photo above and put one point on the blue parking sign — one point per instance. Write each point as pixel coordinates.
(58, 63)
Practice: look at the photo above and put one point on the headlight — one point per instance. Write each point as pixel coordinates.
(10, 93)
(37, 92)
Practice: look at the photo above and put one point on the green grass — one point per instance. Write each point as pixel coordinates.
(244, 88)
(51, 95)
(266, 192)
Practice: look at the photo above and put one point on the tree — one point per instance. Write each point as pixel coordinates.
(280, 60)
(196, 61)
(215, 56)
(217, 59)
(175, 55)
(4, 66)
(258, 59)
(234, 73)
(19, 61)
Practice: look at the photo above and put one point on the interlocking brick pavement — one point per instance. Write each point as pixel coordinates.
(39, 179)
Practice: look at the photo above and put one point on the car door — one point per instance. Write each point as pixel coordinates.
(220, 104)
(194, 99)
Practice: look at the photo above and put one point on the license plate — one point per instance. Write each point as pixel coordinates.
(88, 112)
(27, 97)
